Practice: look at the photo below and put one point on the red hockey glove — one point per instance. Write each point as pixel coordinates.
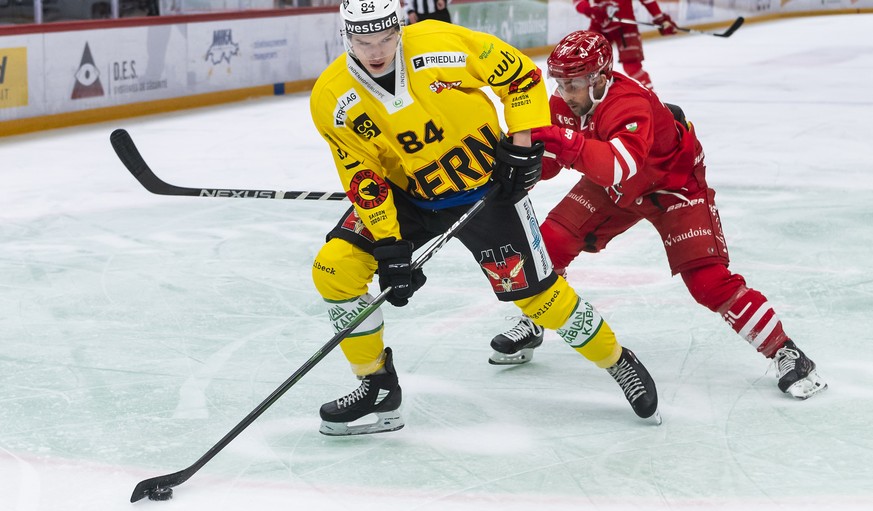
(564, 143)
(583, 7)
(665, 24)
(602, 14)
(551, 167)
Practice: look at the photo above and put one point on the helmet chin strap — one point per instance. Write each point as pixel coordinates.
(595, 102)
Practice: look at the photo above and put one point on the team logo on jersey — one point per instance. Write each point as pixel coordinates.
(367, 189)
(506, 273)
(438, 86)
(632, 127)
(365, 127)
(526, 82)
(441, 59)
(353, 223)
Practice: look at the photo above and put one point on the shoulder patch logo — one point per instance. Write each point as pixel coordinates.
(526, 82)
(367, 189)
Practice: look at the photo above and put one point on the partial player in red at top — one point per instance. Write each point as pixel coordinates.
(604, 16)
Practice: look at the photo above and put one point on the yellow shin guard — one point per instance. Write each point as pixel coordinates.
(341, 272)
(576, 321)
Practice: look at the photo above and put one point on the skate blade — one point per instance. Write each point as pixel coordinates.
(655, 418)
(521, 356)
(807, 387)
(386, 421)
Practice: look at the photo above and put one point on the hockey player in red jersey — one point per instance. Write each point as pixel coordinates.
(641, 160)
(625, 36)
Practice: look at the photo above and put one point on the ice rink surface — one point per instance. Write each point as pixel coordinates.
(136, 330)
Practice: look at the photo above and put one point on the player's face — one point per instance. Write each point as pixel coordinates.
(575, 92)
(375, 51)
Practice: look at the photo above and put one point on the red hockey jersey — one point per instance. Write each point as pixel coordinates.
(633, 145)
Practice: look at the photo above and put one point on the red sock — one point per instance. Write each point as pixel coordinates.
(750, 315)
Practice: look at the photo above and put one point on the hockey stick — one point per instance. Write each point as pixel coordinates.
(130, 157)
(727, 33)
(158, 488)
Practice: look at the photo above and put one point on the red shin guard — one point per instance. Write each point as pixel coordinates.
(745, 310)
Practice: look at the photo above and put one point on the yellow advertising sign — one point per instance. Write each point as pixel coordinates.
(13, 77)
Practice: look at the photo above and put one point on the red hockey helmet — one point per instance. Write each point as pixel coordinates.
(579, 55)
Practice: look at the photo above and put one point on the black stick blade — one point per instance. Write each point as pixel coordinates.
(733, 28)
(134, 162)
(145, 488)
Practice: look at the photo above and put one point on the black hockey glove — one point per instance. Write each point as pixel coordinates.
(395, 270)
(516, 168)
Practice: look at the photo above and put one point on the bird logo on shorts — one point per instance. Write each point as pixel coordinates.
(506, 275)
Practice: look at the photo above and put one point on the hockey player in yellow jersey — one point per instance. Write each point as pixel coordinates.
(416, 142)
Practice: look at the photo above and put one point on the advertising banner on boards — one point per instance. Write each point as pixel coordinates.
(95, 68)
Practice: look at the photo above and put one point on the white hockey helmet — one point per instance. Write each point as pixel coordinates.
(369, 16)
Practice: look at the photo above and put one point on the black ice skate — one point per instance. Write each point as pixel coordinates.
(797, 374)
(637, 384)
(516, 345)
(378, 393)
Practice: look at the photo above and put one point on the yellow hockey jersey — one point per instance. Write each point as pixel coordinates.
(435, 136)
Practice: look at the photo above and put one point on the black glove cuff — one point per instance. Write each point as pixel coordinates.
(392, 248)
(519, 156)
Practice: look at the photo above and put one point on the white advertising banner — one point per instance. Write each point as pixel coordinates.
(198, 6)
(97, 68)
(70, 71)
(235, 54)
(319, 42)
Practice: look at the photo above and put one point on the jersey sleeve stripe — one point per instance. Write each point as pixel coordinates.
(628, 160)
(616, 171)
